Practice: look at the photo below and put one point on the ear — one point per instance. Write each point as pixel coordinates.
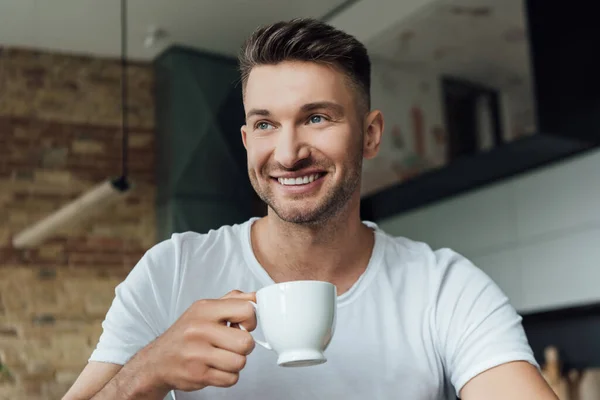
(373, 129)
(243, 131)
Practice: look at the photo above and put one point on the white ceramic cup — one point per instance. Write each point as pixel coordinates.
(298, 320)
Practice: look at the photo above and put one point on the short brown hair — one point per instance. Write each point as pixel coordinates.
(306, 39)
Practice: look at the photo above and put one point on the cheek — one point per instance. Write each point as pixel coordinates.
(258, 151)
(339, 148)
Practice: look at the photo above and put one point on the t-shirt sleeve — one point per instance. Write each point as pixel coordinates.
(477, 327)
(140, 309)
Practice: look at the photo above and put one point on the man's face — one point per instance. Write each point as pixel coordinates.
(304, 139)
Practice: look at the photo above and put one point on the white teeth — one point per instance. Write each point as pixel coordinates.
(302, 180)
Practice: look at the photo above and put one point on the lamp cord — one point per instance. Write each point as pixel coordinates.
(124, 107)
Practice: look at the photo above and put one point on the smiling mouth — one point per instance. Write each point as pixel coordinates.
(300, 180)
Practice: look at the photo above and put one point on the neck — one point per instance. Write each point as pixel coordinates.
(337, 250)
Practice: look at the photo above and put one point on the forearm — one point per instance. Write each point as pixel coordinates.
(134, 381)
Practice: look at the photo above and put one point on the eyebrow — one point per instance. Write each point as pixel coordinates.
(335, 108)
(258, 111)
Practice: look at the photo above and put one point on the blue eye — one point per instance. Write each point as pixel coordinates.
(315, 119)
(262, 125)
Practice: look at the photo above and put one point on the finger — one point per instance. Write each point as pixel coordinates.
(249, 323)
(232, 310)
(234, 340)
(218, 378)
(238, 294)
(224, 360)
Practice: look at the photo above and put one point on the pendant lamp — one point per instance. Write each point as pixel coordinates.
(99, 197)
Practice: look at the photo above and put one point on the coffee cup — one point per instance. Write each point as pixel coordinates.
(298, 320)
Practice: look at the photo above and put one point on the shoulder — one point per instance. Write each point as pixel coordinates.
(438, 261)
(474, 327)
(455, 288)
(181, 246)
(440, 269)
(167, 260)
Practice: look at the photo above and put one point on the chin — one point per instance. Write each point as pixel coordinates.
(299, 216)
(309, 208)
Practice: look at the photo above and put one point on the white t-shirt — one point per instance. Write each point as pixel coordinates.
(417, 325)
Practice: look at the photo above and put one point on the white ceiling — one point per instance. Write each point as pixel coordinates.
(484, 41)
(93, 26)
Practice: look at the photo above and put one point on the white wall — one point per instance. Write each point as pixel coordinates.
(537, 235)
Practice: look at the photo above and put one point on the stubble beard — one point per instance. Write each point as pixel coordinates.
(328, 206)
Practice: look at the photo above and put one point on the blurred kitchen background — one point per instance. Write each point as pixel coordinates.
(491, 148)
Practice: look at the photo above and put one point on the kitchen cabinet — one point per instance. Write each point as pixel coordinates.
(561, 271)
(471, 224)
(559, 198)
(537, 235)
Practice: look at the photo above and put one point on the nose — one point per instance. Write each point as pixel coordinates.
(290, 149)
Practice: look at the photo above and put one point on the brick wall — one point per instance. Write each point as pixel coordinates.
(60, 122)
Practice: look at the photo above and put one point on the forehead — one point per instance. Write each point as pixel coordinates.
(291, 84)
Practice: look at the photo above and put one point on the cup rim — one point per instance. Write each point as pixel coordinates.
(300, 282)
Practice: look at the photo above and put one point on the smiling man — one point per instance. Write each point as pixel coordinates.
(412, 323)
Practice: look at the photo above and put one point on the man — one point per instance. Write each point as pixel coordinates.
(412, 323)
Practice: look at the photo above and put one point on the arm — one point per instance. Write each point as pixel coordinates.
(140, 350)
(136, 317)
(515, 380)
(198, 350)
(91, 380)
(484, 348)
(100, 381)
